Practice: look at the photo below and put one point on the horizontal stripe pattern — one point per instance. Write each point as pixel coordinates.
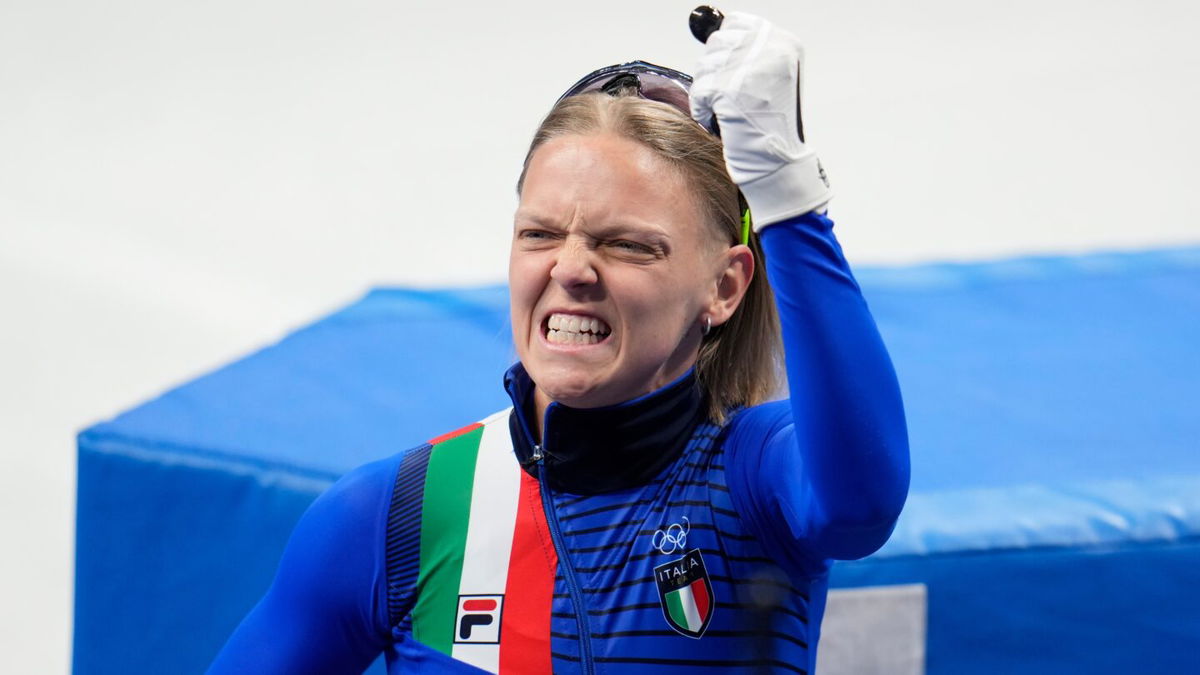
(758, 612)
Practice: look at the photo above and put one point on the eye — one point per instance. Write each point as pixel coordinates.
(535, 236)
(631, 247)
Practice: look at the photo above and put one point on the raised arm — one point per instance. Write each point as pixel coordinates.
(833, 463)
(825, 474)
(326, 611)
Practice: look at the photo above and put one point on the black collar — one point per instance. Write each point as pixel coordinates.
(593, 450)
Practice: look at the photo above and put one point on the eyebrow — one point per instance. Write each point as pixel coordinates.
(606, 231)
(536, 219)
(622, 229)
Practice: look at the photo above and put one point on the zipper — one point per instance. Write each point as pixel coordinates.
(585, 631)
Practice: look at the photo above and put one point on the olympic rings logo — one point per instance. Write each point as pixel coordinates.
(672, 539)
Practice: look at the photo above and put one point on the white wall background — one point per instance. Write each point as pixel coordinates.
(182, 182)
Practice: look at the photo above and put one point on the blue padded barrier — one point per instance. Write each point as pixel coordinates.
(1054, 415)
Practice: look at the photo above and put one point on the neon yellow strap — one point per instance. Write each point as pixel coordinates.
(746, 227)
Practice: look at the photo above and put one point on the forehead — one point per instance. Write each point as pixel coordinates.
(606, 177)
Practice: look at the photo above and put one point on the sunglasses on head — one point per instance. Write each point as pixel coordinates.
(653, 83)
(642, 79)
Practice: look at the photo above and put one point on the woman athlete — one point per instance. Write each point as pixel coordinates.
(641, 508)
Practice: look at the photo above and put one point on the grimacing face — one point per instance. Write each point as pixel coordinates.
(612, 272)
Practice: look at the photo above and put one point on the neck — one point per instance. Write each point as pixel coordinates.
(591, 450)
(542, 400)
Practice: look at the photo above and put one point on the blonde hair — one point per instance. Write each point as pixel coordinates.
(739, 361)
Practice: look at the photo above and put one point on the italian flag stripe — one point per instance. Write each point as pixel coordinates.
(689, 605)
(525, 631)
(444, 512)
(485, 567)
(484, 532)
(456, 433)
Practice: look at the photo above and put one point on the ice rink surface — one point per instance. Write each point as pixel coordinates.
(181, 183)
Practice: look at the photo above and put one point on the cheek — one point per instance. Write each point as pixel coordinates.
(686, 286)
(678, 302)
(525, 284)
(660, 307)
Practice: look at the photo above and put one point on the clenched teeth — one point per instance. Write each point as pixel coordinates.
(563, 337)
(575, 329)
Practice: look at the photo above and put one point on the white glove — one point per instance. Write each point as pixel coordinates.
(749, 76)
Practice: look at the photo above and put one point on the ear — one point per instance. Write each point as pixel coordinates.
(733, 278)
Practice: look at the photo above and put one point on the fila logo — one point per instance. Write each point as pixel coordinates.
(478, 619)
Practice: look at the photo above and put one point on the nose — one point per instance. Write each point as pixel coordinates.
(574, 265)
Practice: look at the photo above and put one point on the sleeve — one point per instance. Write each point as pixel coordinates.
(326, 611)
(825, 473)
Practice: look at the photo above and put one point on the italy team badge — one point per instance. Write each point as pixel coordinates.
(685, 593)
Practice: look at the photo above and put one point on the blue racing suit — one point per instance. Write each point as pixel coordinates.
(675, 544)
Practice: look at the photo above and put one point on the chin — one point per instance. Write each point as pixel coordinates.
(577, 386)
(576, 392)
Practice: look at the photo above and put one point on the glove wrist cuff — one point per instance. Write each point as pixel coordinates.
(794, 189)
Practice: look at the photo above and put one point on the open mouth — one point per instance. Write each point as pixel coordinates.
(574, 329)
